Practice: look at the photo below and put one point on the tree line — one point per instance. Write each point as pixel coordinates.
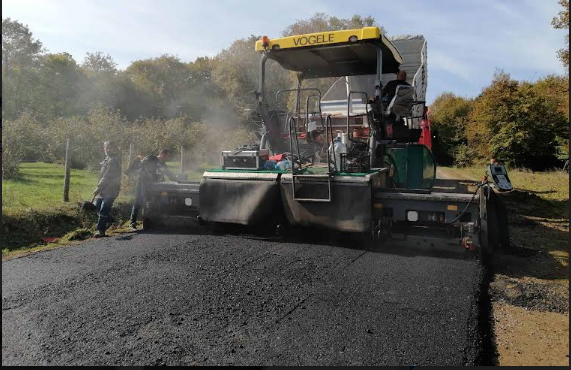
(521, 123)
(54, 85)
(165, 102)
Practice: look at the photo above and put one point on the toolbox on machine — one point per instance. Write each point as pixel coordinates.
(246, 157)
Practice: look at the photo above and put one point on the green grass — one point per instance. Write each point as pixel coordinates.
(33, 207)
(40, 187)
(552, 185)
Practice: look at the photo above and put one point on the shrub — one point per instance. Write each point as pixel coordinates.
(20, 141)
(86, 137)
(464, 156)
(10, 163)
(448, 117)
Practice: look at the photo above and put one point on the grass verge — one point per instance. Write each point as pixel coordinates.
(33, 212)
(34, 217)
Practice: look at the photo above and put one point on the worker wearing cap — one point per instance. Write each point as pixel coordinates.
(152, 168)
(108, 186)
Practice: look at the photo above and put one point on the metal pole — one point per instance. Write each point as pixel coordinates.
(67, 172)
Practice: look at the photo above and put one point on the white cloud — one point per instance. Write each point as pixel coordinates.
(447, 62)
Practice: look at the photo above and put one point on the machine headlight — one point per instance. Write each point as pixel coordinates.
(412, 216)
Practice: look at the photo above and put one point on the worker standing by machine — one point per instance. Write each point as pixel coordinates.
(152, 168)
(108, 186)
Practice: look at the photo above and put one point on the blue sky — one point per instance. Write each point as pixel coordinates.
(467, 39)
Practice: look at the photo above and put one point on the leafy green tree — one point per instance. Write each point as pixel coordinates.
(512, 122)
(236, 71)
(449, 116)
(98, 64)
(561, 21)
(321, 22)
(20, 55)
(555, 90)
(19, 48)
(159, 82)
(22, 138)
(166, 87)
(206, 99)
(60, 82)
(100, 83)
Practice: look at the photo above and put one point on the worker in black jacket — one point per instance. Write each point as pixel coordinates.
(152, 168)
(108, 186)
(390, 88)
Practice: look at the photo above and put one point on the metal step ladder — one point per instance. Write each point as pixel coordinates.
(298, 177)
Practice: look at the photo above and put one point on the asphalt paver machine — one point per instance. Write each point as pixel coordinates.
(352, 162)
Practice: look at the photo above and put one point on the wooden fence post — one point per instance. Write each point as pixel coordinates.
(67, 172)
(130, 155)
(181, 159)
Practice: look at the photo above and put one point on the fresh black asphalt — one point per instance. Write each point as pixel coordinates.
(153, 299)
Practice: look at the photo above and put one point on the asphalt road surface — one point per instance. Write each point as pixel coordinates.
(153, 299)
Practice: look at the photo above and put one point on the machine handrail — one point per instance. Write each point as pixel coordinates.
(349, 135)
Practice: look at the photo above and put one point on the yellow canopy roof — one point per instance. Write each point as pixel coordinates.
(333, 53)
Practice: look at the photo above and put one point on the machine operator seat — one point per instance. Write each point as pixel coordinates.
(400, 108)
(402, 103)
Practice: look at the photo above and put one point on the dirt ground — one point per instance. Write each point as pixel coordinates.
(530, 314)
(531, 338)
(530, 287)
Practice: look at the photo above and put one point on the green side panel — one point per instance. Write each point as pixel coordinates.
(415, 167)
(399, 157)
(428, 169)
